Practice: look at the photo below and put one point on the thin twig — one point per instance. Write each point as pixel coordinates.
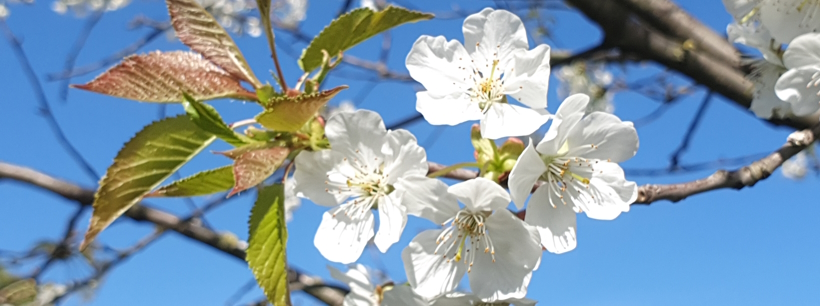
(71, 58)
(690, 132)
(45, 107)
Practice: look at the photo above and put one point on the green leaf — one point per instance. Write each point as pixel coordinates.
(484, 148)
(161, 77)
(202, 183)
(289, 114)
(268, 238)
(149, 158)
(353, 28)
(253, 167)
(208, 119)
(21, 292)
(197, 29)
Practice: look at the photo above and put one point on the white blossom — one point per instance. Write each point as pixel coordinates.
(367, 289)
(589, 79)
(800, 85)
(796, 167)
(765, 103)
(367, 167)
(292, 201)
(577, 160)
(290, 12)
(472, 81)
(784, 19)
(483, 239)
(462, 299)
(344, 107)
(787, 19)
(81, 8)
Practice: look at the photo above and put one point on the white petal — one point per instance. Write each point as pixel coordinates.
(504, 120)
(480, 194)
(447, 110)
(569, 113)
(754, 35)
(524, 174)
(392, 219)
(430, 274)
(403, 156)
(427, 198)
(787, 19)
(765, 103)
(797, 87)
(803, 51)
(603, 136)
(442, 66)
(361, 286)
(403, 296)
(493, 34)
(362, 130)
(554, 220)
(342, 239)
(517, 252)
(528, 81)
(312, 169)
(609, 193)
(740, 8)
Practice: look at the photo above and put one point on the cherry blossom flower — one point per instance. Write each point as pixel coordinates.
(587, 78)
(472, 81)
(292, 201)
(765, 103)
(577, 162)
(461, 299)
(366, 289)
(483, 239)
(787, 19)
(747, 30)
(784, 19)
(367, 167)
(800, 86)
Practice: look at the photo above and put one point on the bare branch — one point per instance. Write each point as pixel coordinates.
(82, 196)
(737, 179)
(672, 20)
(626, 33)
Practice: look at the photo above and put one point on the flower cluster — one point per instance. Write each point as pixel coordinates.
(370, 169)
(786, 81)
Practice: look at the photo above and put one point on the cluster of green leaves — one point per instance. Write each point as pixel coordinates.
(493, 161)
(216, 68)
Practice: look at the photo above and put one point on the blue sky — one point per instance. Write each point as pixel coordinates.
(757, 246)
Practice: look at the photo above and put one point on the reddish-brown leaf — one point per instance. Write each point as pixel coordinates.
(197, 29)
(253, 167)
(162, 77)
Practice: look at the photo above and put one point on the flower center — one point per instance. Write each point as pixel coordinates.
(465, 238)
(365, 184)
(487, 89)
(564, 172)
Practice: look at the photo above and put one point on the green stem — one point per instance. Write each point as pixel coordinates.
(264, 14)
(451, 168)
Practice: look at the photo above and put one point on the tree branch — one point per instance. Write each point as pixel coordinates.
(623, 31)
(297, 280)
(667, 17)
(737, 179)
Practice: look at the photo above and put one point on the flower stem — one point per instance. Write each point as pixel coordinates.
(452, 168)
(264, 13)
